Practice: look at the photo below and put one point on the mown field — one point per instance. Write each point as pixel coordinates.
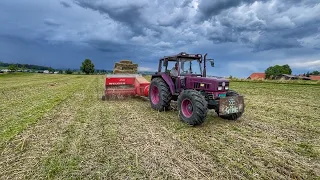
(56, 127)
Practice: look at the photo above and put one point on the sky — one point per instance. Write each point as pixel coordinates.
(243, 36)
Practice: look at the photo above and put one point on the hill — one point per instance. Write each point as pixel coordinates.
(4, 65)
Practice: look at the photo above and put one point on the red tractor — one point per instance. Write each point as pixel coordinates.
(188, 84)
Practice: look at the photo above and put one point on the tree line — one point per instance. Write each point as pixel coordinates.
(17, 66)
(277, 70)
(86, 67)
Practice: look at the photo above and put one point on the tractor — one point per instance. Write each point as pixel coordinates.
(195, 93)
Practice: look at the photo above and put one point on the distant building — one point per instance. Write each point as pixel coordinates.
(286, 77)
(46, 71)
(257, 76)
(315, 77)
(291, 77)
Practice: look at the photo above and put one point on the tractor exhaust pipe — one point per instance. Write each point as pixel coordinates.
(205, 65)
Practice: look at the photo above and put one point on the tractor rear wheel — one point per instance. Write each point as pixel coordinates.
(159, 94)
(233, 116)
(192, 107)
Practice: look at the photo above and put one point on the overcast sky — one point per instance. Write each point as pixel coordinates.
(243, 36)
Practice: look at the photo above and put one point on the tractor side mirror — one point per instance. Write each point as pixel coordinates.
(212, 63)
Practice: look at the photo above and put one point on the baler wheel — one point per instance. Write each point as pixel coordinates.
(103, 98)
(192, 107)
(159, 94)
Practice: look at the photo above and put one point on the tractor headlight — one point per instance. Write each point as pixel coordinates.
(226, 88)
(219, 88)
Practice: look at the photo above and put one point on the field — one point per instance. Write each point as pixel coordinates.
(56, 127)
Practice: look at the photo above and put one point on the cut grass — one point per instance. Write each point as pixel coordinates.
(80, 136)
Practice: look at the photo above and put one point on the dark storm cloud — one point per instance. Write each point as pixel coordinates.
(65, 4)
(129, 14)
(209, 8)
(144, 31)
(108, 46)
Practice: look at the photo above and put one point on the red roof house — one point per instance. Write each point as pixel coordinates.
(257, 76)
(314, 77)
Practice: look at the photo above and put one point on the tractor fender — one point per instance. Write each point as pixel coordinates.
(167, 79)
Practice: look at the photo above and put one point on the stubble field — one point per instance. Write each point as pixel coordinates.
(56, 127)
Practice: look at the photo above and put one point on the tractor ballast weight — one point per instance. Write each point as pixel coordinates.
(195, 92)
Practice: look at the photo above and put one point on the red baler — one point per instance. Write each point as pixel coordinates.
(125, 85)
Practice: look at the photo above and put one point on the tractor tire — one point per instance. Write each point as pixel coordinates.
(234, 116)
(159, 94)
(192, 107)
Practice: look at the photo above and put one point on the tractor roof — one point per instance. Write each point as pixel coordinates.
(182, 55)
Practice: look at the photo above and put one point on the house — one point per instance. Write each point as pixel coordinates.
(257, 76)
(315, 77)
(286, 77)
(5, 70)
(46, 71)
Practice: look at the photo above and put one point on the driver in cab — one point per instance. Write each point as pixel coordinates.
(174, 71)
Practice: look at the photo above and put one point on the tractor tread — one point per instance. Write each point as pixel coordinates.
(200, 107)
(165, 94)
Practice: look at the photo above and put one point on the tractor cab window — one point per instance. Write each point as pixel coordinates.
(190, 66)
(172, 67)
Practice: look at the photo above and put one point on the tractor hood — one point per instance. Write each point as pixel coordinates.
(208, 83)
(209, 79)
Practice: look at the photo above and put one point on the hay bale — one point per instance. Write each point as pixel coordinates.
(126, 61)
(124, 66)
(120, 71)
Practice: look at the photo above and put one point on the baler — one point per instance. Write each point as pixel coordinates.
(125, 85)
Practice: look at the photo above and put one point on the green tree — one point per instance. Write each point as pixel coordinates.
(60, 72)
(12, 68)
(87, 66)
(277, 70)
(51, 70)
(69, 71)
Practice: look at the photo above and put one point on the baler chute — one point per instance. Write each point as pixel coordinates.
(125, 82)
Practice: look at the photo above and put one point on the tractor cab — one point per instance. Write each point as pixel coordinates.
(185, 64)
(183, 68)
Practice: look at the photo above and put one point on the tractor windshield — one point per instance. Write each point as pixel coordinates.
(190, 66)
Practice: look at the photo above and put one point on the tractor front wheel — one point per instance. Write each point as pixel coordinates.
(192, 107)
(159, 94)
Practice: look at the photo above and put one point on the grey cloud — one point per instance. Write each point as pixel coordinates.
(65, 4)
(186, 3)
(174, 20)
(51, 22)
(274, 41)
(208, 8)
(267, 30)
